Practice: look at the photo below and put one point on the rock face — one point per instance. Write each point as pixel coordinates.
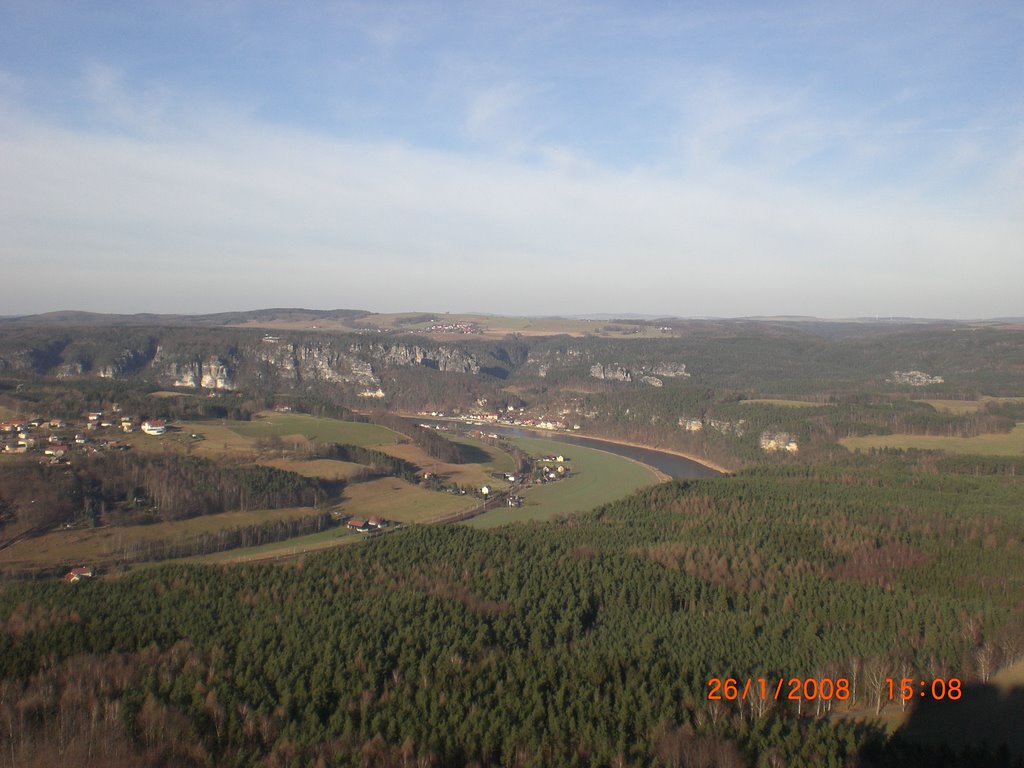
(125, 364)
(229, 359)
(670, 370)
(215, 375)
(69, 370)
(772, 442)
(722, 426)
(316, 361)
(447, 359)
(645, 374)
(611, 372)
(209, 373)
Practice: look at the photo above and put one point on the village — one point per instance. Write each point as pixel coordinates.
(55, 440)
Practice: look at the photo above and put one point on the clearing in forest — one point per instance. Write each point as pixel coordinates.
(999, 444)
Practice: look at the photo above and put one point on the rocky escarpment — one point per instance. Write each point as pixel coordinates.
(443, 358)
(611, 372)
(315, 361)
(127, 362)
(232, 359)
(670, 370)
(206, 371)
(646, 374)
(574, 360)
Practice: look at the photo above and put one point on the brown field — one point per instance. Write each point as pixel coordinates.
(395, 499)
(169, 393)
(99, 545)
(221, 440)
(287, 425)
(967, 406)
(213, 441)
(325, 469)
(239, 438)
(782, 403)
(1012, 676)
(472, 474)
(1001, 444)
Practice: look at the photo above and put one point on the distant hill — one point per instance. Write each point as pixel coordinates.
(217, 319)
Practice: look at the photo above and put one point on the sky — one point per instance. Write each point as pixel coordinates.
(682, 158)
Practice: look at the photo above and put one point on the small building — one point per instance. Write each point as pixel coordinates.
(154, 426)
(75, 575)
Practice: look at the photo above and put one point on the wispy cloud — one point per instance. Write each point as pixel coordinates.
(244, 214)
(539, 158)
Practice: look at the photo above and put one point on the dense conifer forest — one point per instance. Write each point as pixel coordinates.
(588, 641)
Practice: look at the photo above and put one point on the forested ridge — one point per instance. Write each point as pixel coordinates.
(588, 641)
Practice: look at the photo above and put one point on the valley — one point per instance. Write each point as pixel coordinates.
(606, 517)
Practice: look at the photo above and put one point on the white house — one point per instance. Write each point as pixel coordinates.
(154, 426)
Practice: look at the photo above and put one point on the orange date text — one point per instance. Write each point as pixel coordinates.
(779, 689)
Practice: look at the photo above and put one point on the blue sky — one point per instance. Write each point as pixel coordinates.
(524, 158)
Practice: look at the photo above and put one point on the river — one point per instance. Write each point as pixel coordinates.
(671, 464)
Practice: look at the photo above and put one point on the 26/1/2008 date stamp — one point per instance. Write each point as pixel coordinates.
(827, 689)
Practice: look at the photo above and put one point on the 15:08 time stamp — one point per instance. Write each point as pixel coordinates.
(938, 688)
(828, 689)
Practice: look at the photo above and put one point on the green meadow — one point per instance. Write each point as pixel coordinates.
(595, 478)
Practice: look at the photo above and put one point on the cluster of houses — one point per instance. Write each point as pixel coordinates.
(55, 438)
(365, 526)
(464, 328)
(549, 469)
(511, 417)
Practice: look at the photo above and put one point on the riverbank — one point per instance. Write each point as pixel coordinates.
(688, 456)
(569, 436)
